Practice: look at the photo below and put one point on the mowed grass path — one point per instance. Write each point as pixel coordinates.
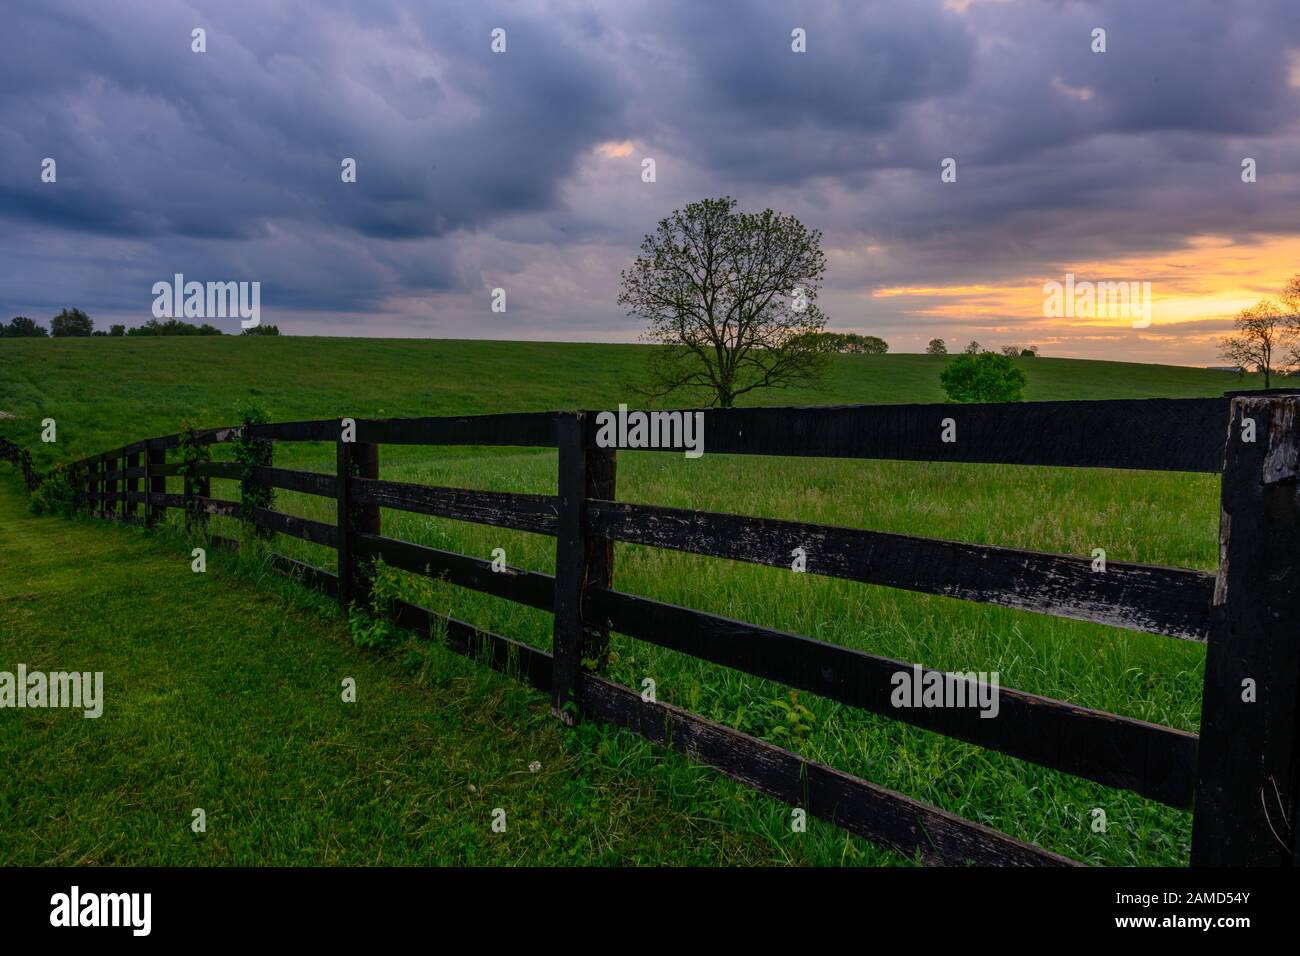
(223, 693)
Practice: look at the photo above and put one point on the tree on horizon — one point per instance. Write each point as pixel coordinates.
(732, 298)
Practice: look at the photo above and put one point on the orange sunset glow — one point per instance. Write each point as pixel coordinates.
(1195, 292)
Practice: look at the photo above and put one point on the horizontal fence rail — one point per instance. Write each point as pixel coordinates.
(1152, 434)
(1168, 601)
(1157, 762)
(1229, 611)
(523, 512)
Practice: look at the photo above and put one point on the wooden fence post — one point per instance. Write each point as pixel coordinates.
(123, 510)
(599, 483)
(132, 486)
(354, 460)
(195, 486)
(102, 468)
(1248, 777)
(155, 458)
(582, 561)
(254, 491)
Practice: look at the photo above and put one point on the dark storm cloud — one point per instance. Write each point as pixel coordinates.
(760, 112)
(255, 128)
(477, 169)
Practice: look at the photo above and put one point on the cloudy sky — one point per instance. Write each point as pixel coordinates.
(523, 170)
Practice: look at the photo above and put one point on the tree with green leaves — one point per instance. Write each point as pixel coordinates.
(21, 327)
(983, 377)
(173, 327)
(866, 345)
(936, 347)
(71, 323)
(731, 298)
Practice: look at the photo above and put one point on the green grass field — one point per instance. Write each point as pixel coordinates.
(104, 393)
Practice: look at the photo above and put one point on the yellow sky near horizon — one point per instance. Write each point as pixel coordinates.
(1195, 292)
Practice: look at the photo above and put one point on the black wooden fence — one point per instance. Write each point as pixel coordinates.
(21, 459)
(1240, 776)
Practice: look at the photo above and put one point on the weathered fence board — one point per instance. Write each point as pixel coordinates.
(536, 513)
(307, 482)
(514, 584)
(881, 815)
(214, 506)
(1168, 601)
(527, 428)
(314, 531)
(1156, 761)
(1155, 434)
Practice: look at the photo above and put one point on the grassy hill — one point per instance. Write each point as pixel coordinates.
(104, 393)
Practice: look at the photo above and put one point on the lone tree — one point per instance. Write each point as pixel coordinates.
(1258, 334)
(936, 347)
(71, 322)
(983, 377)
(732, 298)
(1291, 299)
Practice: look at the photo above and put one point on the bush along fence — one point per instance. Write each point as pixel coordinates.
(1240, 776)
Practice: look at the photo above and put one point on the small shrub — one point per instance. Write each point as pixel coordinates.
(55, 495)
(370, 633)
(785, 722)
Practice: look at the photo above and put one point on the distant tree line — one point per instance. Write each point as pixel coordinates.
(169, 327)
(73, 323)
(851, 343)
(940, 347)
